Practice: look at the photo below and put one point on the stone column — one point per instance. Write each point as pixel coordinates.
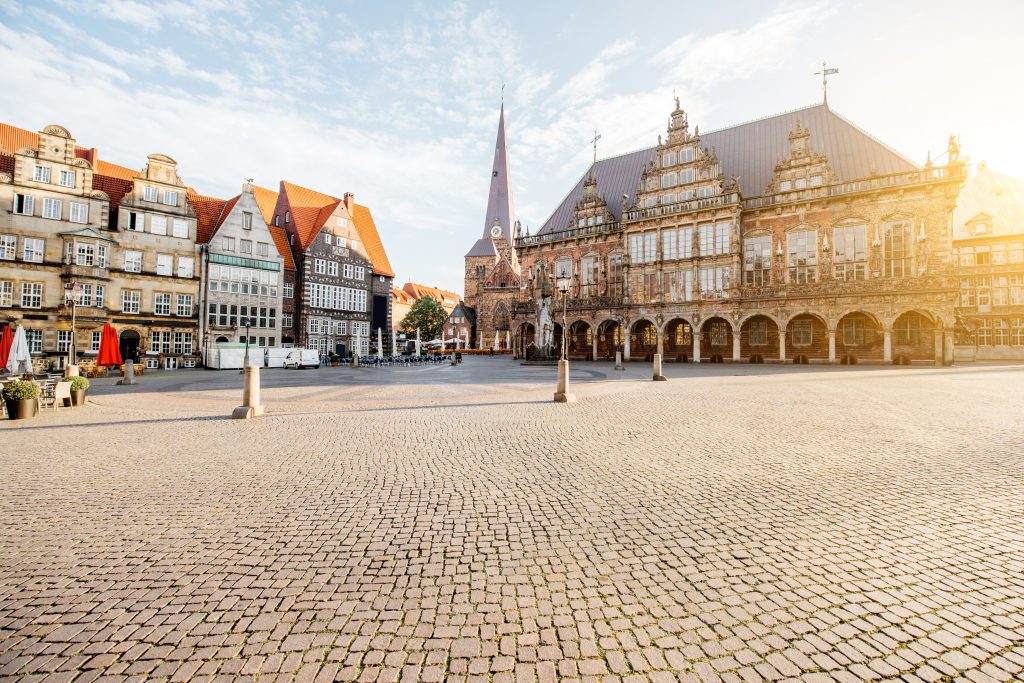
(696, 346)
(625, 345)
(887, 346)
(947, 347)
(831, 346)
(938, 348)
(735, 346)
(658, 377)
(593, 345)
(782, 344)
(661, 343)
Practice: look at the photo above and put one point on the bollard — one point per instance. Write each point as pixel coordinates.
(251, 406)
(71, 371)
(562, 394)
(129, 374)
(355, 360)
(658, 377)
(618, 361)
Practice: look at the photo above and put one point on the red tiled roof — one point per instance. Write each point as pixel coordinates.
(116, 189)
(209, 212)
(281, 241)
(12, 138)
(267, 201)
(367, 230)
(417, 290)
(307, 207)
(114, 171)
(401, 296)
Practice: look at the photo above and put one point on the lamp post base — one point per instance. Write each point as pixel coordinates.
(658, 377)
(618, 361)
(251, 406)
(129, 374)
(562, 394)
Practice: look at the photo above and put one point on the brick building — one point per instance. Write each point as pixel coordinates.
(988, 241)
(793, 238)
(492, 279)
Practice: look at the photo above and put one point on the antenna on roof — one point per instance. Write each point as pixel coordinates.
(825, 73)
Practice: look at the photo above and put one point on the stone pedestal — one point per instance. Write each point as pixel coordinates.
(618, 361)
(251, 405)
(129, 374)
(71, 371)
(658, 377)
(562, 394)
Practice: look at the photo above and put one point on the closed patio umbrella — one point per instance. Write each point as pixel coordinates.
(19, 361)
(110, 350)
(380, 344)
(6, 339)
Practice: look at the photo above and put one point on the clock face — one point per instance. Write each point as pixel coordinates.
(496, 231)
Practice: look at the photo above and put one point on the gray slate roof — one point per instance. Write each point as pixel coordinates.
(750, 151)
(499, 199)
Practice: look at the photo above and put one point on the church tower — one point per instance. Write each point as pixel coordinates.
(491, 266)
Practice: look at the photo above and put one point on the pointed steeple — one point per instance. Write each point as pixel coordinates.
(499, 200)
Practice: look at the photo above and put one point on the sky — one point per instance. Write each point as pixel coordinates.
(398, 102)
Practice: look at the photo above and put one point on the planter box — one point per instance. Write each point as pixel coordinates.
(22, 409)
(78, 397)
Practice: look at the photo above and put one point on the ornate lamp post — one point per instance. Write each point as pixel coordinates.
(562, 395)
(247, 323)
(251, 406)
(72, 295)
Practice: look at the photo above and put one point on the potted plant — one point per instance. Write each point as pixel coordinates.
(333, 358)
(22, 399)
(78, 387)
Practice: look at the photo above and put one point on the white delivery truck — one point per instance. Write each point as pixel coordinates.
(302, 358)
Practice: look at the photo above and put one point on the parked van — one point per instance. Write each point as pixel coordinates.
(302, 358)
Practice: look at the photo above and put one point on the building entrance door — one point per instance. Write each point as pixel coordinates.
(129, 343)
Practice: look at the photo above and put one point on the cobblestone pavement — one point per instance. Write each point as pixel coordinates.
(736, 523)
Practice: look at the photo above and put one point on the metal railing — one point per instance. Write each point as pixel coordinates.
(684, 206)
(915, 177)
(567, 234)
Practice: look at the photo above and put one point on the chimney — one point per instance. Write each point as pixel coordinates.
(92, 156)
(350, 199)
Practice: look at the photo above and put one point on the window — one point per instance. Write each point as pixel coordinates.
(319, 266)
(588, 277)
(686, 176)
(908, 330)
(179, 228)
(1000, 333)
(314, 326)
(757, 333)
(149, 194)
(803, 256)
(678, 286)
(348, 270)
(286, 320)
(262, 249)
(85, 254)
(668, 159)
(816, 180)
(327, 238)
(669, 244)
(24, 204)
(706, 191)
(1017, 332)
(136, 221)
(899, 249)
(757, 261)
(668, 179)
(170, 198)
(32, 250)
(967, 292)
(186, 266)
(164, 264)
(714, 238)
(289, 290)
(94, 341)
(850, 243)
(183, 343)
(31, 295)
(79, 212)
(158, 225)
(332, 268)
(643, 248)
(686, 155)
(244, 246)
(246, 220)
(802, 332)
(360, 273)
(785, 186)
(227, 243)
(714, 281)
(159, 342)
(852, 331)
(130, 299)
(8, 247)
(340, 241)
(41, 174)
(615, 284)
(161, 304)
(67, 178)
(6, 293)
(800, 183)
(51, 208)
(719, 333)
(133, 261)
(35, 340)
(100, 292)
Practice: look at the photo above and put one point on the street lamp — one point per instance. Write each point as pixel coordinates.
(247, 323)
(562, 281)
(72, 294)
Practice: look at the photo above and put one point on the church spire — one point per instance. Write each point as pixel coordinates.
(499, 200)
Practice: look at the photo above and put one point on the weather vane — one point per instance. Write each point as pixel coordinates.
(597, 136)
(825, 73)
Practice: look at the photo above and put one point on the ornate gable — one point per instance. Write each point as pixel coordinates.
(802, 168)
(503, 276)
(591, 209)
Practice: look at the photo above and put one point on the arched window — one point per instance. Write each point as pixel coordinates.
(899, 249)
(908, 330)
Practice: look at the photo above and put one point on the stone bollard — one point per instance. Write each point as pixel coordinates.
(355, 360)
(562, 394)
(658, 377)
(618, 361)
(251, 406)
(129, 374)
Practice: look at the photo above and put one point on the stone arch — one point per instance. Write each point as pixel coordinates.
(759, 337)
(643, 339)
(916, 335)
(609, 338)
(525, 339)
(716, 335)
(130, 343)
(859, 336)
(501, 317)
(581, 338)
(59, 131)
(677, 335)
(806, 337)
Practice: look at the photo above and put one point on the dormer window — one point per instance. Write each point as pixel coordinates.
(287, 217)
(686, 155)
(668, 180)
(599, 219)
(149, 194)
(67, 178)
(801, 183)
(341, 221)
(982, 228)
(246, 220)
(668, 159)
(816, 180)
(582, 222)
(686, 176)
(41, 174)
(785, 186)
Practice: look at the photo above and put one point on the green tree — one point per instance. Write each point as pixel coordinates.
(426, 314)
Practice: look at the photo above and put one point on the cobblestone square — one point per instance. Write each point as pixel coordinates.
(736, 523)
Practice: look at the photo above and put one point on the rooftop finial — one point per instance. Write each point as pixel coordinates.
(825, 73)
(593, 141)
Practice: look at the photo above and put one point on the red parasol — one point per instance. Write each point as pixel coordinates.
(6, 339)
(110, 351)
